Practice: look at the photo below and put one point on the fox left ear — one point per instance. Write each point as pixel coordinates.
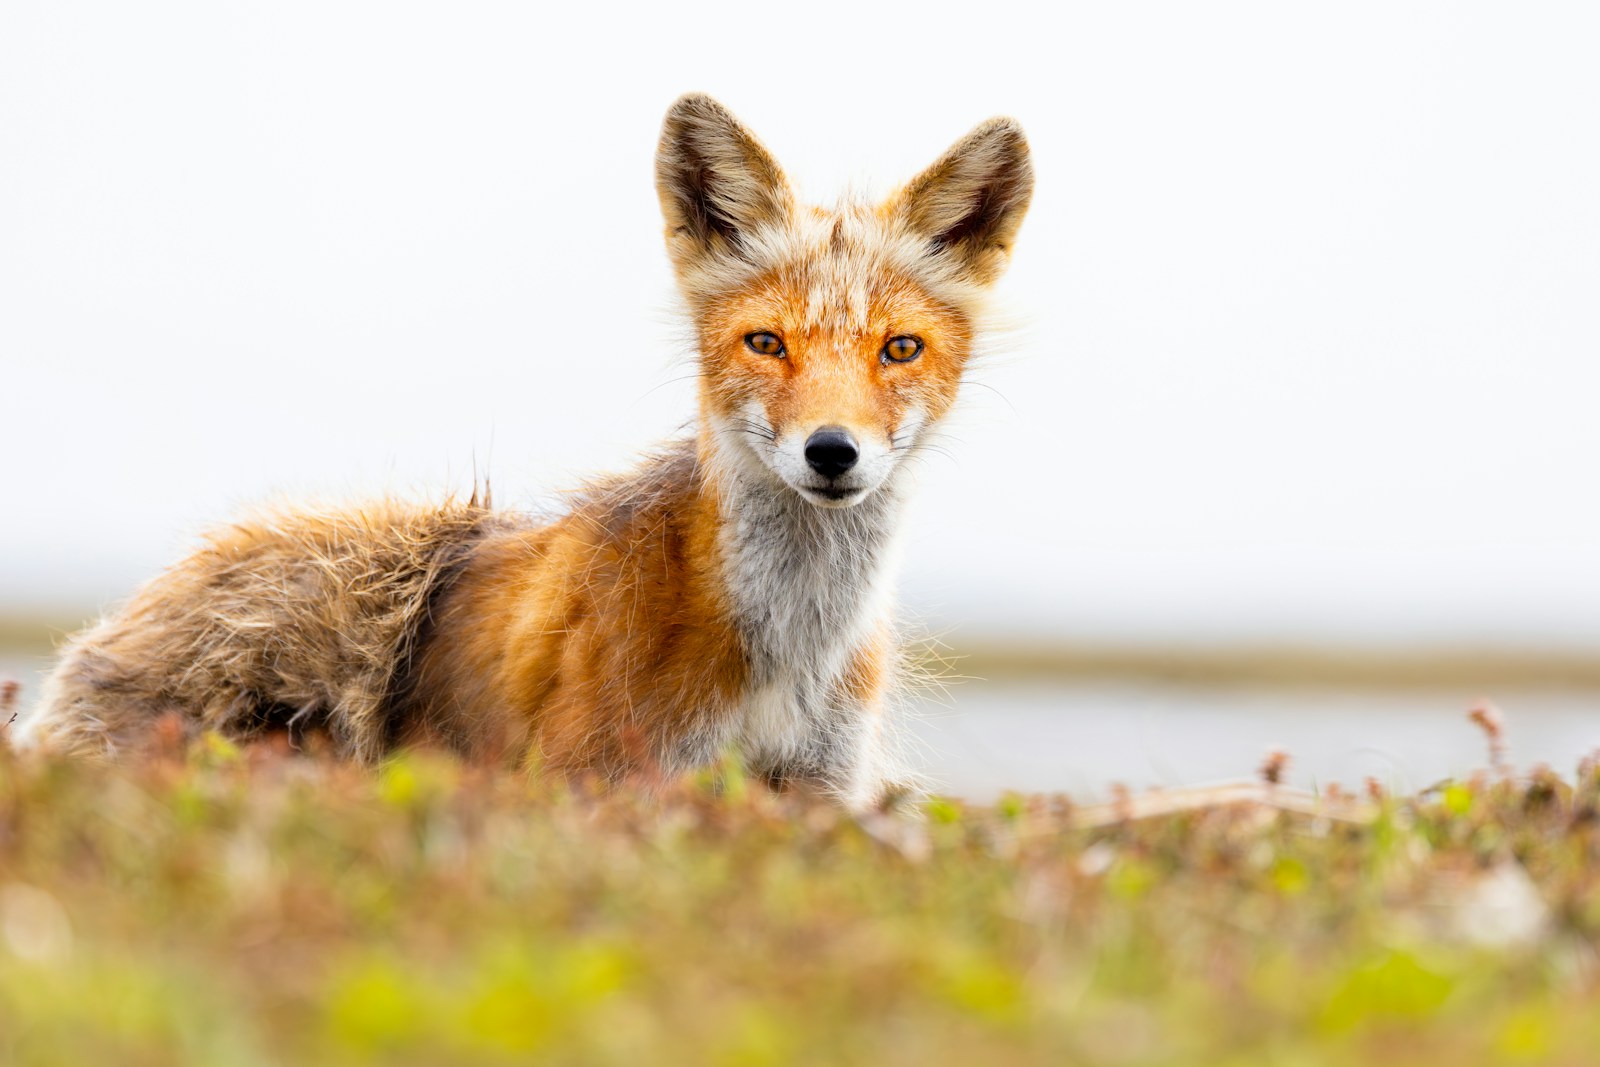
(970, 203)
(716, 182)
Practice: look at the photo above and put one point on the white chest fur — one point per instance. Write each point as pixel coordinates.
(809, 586)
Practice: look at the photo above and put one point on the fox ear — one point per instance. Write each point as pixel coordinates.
(970, 203)
(716, 182)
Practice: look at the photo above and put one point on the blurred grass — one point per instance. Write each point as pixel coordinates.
(1391, 668)
(32, 633)
(220, 905)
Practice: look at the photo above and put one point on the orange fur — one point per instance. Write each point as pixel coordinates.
(606, 630)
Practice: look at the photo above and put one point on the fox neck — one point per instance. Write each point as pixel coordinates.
(806, 585)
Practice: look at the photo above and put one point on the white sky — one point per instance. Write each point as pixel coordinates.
(1312, 292)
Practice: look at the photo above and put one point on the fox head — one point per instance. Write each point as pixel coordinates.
(831, 340)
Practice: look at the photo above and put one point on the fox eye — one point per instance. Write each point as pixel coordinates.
(902, 349)
(768, 344)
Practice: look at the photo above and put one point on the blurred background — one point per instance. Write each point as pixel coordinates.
(1291, 441)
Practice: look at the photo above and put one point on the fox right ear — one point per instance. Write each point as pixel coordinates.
(716, 182)
(970, 202)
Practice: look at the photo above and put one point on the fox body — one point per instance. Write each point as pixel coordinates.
(733, 591)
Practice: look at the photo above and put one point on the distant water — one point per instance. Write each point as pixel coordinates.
(1083, 737)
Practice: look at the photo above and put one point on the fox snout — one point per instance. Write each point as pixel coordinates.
(831, 451)
(834, 465)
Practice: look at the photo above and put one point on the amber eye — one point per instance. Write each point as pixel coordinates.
(902, 349)
(768, 344)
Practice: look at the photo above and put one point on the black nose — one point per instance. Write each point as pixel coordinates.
(831, 451)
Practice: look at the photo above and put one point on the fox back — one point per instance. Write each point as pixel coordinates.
(731, 592)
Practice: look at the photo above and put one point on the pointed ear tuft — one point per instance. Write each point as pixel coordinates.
(970, 203)
(716, 182)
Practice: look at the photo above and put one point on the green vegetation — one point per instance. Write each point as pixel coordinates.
(218, 905)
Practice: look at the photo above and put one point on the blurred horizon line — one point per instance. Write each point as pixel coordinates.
(987, 656)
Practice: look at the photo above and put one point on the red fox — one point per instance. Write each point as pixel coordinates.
(732, 593)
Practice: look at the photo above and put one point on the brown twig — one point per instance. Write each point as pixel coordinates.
(1129, 807)
(1487, 717)
(1273, 766)
(10, 689)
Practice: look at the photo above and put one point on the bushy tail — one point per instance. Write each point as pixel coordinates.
(298, 617)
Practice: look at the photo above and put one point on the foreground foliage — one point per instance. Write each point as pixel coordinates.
(225, 906)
